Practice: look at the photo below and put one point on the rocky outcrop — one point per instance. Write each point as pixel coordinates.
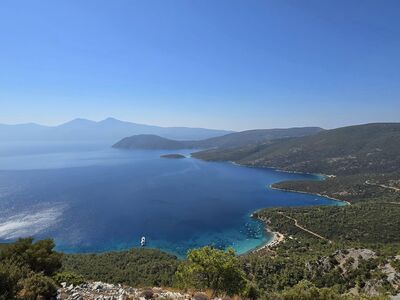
(106, 291)
(345, 260)
(347, 263)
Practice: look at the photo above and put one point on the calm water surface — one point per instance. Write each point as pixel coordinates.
(92, 198)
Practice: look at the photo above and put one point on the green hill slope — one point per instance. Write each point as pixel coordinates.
(370, 148)
(150, 141)
(248, 137)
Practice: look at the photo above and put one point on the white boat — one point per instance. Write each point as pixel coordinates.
(142, 241)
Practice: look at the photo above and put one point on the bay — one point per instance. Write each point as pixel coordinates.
(90, 197)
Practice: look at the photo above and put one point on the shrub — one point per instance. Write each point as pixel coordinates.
(25, 268)
(38, 285)
(252, 292)
(396, 264)
(7, 284)
(69, 278)
(209, 268)
(39, 256)
(305, 290)
(10, 274)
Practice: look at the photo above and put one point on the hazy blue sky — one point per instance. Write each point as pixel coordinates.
(219, 64)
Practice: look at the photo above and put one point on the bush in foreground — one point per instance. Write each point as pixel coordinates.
(69, 278)
(26, 268)
(209, 268)
(37, 285)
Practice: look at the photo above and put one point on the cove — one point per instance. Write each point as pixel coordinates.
(92, 198)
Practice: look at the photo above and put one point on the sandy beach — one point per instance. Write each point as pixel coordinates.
(276, 240)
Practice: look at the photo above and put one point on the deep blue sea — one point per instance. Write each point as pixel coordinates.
(92, 198)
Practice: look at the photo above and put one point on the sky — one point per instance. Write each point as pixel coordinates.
(223, 64)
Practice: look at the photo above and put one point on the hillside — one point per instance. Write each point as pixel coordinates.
(109, 129)
(302, 267)
(256, 136)
(150, 141)
(370, 148)
(235, 139)
(152, 267)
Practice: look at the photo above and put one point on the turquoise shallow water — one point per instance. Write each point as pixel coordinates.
(92, 198)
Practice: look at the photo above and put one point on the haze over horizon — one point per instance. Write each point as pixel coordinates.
(161, 126)
(230, 65)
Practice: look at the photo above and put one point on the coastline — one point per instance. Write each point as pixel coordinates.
(276, 240)
(281, 170)
(322, 176)
(308, 193)
(278, 237)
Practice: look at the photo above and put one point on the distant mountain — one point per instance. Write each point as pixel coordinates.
(226, 141)
(107, 130)
(370, 148)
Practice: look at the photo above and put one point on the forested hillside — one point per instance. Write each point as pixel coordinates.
(236, 139)
(136, 267)
(370, 148)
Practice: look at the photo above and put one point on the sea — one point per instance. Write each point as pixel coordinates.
(92, 198)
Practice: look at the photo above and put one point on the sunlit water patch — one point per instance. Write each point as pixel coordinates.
(30, 222)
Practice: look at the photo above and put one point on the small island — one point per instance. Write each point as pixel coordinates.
(176, 156)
